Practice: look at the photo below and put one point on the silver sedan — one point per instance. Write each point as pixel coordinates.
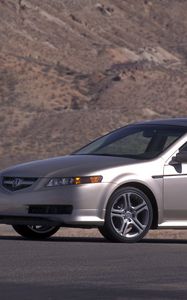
(124, 183)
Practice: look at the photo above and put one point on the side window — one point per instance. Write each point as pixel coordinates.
(183, 148)
(170, 140)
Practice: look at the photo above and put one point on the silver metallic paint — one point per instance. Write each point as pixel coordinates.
(89, 200)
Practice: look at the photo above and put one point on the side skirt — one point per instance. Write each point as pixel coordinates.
(173, 225)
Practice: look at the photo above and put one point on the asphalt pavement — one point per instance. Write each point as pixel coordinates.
(92, 268)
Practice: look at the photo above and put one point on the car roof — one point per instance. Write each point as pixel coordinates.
(171, 122)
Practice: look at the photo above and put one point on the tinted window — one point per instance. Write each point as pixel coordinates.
(141, 142)
(183, 148)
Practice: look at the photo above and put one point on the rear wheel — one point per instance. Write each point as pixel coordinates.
(128, 216)
(35, 231)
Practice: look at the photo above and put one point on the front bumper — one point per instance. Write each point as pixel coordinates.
(88, 203)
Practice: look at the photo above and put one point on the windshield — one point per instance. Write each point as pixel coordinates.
(134, 141)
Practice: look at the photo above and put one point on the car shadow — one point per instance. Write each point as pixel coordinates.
(163, 241)
(58, 239)
(92, 240)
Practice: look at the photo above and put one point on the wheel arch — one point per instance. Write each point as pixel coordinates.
(149, 194)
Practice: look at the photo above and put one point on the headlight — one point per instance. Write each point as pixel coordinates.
(60, 181)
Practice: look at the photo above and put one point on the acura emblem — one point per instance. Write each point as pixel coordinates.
(17, 182)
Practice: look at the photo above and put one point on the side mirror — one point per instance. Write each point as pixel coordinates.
(180, 157)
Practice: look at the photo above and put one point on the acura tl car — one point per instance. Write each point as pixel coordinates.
(124, 183)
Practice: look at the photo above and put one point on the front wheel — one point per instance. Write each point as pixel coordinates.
(35, 231)
(128, 216)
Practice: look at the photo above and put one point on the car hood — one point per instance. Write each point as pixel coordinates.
(71, 165)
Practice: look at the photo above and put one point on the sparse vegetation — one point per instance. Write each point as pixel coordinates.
(72, 70)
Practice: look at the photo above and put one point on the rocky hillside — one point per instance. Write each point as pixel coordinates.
(71, 70)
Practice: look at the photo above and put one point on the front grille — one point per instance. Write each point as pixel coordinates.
(50, 209)
(17, 183)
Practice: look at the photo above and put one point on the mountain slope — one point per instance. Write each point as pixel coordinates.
(71, 70)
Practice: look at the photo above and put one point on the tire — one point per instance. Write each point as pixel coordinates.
(35, 231)
(129, 216)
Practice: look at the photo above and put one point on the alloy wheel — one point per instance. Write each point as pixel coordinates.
(130, 214)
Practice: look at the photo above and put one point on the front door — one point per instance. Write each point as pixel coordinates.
(175, 191)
